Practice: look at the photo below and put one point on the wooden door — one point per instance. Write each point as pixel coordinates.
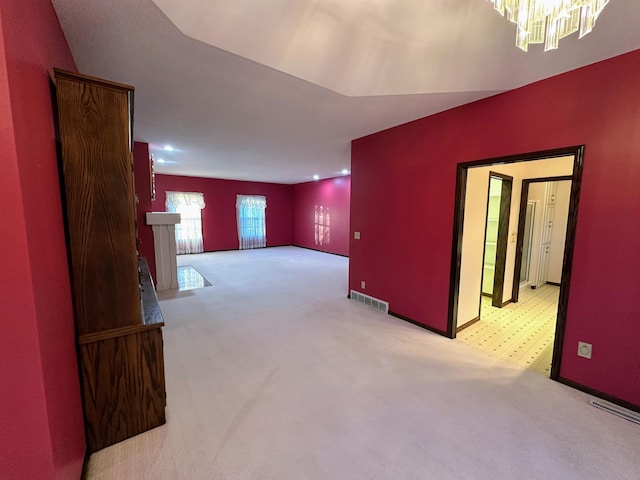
(496, 236)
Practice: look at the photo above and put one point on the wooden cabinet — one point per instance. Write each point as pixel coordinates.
(117, 320)
(100, 200)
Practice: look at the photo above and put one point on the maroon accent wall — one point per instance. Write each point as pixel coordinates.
(333, 193)
(41, 422)
(142, 173)
(219, 226)
(403, 200)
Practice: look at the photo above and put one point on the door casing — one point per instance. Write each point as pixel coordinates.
(458, 224)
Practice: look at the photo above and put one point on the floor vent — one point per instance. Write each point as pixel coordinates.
(370, 301)
(616, 410)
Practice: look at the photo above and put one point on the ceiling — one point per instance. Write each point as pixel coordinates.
(276, 90)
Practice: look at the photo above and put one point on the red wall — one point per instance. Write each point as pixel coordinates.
(142, 173)
(333, 193)
(403, 201)
(219, 226)
(42, 434)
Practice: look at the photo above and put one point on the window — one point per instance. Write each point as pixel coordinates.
(322, 225)
(252, 227)
(189, 231)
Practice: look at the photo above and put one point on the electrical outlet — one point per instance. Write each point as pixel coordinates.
(356, 235)
(584, 349)
(362, 285)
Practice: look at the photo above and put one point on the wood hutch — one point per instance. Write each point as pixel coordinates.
(118, 321)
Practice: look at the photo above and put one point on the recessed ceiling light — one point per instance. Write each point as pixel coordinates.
(161, 160)
(345, 171)
(168, 148)
(316, 177)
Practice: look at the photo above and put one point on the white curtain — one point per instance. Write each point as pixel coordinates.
(189, 231)
(252, 227)
(322, 225)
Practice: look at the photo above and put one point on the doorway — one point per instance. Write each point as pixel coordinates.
(523, 331)
(461, 288)
(526, 253)
(495, 237)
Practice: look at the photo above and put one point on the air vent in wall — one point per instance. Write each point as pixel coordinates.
(616, 410)
(370, 301)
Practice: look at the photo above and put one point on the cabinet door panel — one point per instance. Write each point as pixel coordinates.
(100, 203)
(547, 223)
(551, 191)
(124, 391)
(543, 265)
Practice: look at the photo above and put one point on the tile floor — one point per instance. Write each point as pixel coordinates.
(520, 332)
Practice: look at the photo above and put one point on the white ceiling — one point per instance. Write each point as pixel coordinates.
(275, 90)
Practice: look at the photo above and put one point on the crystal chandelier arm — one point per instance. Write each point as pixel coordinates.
(548, 21)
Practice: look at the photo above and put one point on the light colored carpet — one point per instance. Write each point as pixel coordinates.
(520, 332)
(272, 373)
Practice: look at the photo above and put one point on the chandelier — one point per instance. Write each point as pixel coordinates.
(547, 21)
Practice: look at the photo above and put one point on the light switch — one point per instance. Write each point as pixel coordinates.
(356, 235)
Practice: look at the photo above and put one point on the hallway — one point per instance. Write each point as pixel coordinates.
(520, 332)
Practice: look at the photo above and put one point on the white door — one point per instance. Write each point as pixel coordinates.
(543, 265)
(547, 224)
(551, 191)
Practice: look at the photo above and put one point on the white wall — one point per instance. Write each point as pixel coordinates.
(475, 220)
